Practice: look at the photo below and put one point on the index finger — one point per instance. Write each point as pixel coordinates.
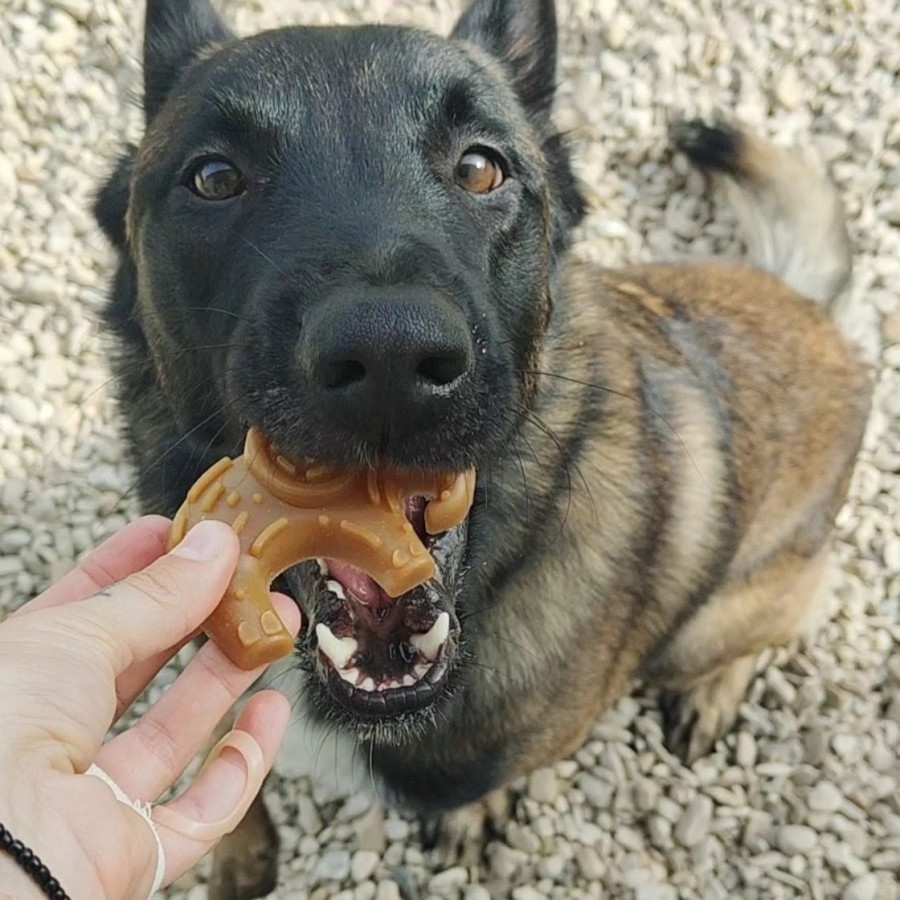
(155, 608)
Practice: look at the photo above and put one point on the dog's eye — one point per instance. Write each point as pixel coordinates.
(216, 179)
(479, 172)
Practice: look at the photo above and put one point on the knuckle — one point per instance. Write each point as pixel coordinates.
(158, 584)
(160, 744)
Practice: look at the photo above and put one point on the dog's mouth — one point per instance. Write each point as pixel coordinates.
(379, 657)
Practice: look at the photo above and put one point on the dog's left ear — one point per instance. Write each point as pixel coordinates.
(522, 34)
(174, 32)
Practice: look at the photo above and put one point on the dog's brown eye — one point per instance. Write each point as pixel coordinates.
(217, 179)
(478, 172)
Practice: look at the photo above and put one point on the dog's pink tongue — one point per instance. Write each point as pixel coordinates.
(356, 583)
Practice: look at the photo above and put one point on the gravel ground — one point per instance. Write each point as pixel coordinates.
(802, 799)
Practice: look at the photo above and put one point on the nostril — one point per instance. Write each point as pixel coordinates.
(341, 373)
(441, 370)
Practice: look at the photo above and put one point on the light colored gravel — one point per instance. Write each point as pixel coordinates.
(802, 799)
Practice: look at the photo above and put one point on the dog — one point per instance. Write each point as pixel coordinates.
(356, 239)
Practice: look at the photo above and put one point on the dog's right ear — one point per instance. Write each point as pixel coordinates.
(174, 32)
(522, 34)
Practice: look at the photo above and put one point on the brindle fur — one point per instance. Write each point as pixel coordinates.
(663, 508)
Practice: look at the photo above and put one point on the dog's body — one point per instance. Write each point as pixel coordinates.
(659, 476)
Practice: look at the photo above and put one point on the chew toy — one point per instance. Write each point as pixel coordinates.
(286, 511)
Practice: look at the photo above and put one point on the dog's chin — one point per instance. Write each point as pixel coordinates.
(381, 666)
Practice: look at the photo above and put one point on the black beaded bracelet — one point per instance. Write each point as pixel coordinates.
(31, 865)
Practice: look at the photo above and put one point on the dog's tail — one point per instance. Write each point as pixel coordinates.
(791, 215)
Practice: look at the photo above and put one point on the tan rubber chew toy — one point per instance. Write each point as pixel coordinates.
(285, 512)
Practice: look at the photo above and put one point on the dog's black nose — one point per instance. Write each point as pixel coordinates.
(385, 362)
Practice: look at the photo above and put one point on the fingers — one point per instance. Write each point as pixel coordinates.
(154, 609)
(219, 788)
(148, 758)
(132, 682)
(130, 550)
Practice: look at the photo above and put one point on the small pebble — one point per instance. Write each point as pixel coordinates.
(796, 839)
(693, 826)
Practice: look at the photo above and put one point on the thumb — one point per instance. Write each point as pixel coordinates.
(160, 606)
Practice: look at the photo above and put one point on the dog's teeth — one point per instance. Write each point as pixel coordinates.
(351, 676)
(421, 670)
(408, 681)
(367, 685)
(336, 588)
(430, 643)
(323, 567)
(339, 650)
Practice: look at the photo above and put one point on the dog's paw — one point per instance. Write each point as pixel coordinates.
(245, 863)
(459, 837)
(693, 720)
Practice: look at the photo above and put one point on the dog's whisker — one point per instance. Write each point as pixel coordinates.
(264, 255)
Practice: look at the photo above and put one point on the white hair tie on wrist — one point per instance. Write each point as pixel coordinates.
(143, 810)
(241, 741)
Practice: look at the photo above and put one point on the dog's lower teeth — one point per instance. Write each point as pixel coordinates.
(430, 643)
(421, 670)
(335, 587)
(408, 681)
(368, 684)
(339, 650)
(351, 676)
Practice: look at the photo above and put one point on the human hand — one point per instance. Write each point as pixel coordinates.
(72, 661)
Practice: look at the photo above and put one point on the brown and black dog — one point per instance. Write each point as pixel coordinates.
(356, 239)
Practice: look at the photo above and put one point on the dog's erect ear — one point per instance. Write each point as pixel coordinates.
(522, 34)
(174, 32)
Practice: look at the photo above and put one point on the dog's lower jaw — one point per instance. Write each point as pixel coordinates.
(400, 731)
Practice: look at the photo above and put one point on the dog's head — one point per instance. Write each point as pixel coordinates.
(348, 237)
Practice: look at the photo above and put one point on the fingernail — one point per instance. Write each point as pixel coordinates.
(202, 543)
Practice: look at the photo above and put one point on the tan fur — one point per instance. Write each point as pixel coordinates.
(715, 416)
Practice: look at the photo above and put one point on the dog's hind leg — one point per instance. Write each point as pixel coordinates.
(706, 669)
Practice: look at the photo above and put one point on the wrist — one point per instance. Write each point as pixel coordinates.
(28, 821)
(16, 884)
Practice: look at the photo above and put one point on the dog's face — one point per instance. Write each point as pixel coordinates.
(347, 237)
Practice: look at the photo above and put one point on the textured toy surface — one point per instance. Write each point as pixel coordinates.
(285, 512)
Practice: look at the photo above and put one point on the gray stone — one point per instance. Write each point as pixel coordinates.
(590, 864)
(543, 786)
(694, 824)
(387, 890)
(450, 881)
(476, 892)
(796, 839)
(333, 865)
(865, 887)
(825, 797)
(597, 792)
(363, 864)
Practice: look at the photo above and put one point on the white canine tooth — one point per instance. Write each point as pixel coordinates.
(422, 670)
(430, 643)
(368, 685)
(349, 675)
(336, 588)
(323, 568)
(339, 650)
(408, 681)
